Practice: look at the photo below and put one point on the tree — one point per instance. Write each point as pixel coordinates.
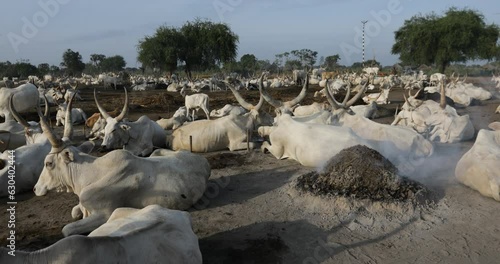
(306, 57)
(96, 59)
(199, 45)
(72, 60)
(248, 63)
(331, 62)
(113, 64)
(457, 36)
(43, 68)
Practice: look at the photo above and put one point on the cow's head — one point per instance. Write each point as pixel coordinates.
(340, 109)
(55, 173)
(33, 131)
(285, 107)
(116, 132)
(258, 118)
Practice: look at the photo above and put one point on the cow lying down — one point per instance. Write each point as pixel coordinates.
(119, 179)
(479, 167)
(150, 235)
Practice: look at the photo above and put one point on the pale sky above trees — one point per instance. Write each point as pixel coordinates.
(265, 28)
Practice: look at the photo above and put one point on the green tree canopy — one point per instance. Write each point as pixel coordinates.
(457, 36)
(96, 59)
(113, 64)
(331, 62)
(199, 45)
(72, 60)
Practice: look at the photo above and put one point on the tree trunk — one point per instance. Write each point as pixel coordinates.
(442, 67)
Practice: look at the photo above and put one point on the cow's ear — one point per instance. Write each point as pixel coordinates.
(125, 127)
(86, 147)
(67, 156)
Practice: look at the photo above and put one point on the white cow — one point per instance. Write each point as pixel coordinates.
(228, 109)
(78, 116)
(228, 132)
(439, 120)
(26, 98)
(196, 102)
(29, 158)
(174, 180)
(371, 70)
(180, 116)
(107, 80)
(139, 137)
(315, 107)
(479, 167)
(498, 110)
(150, 235)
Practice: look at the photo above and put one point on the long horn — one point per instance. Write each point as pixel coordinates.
(465, 77)
(103, 112)
(302, 93)
(357, 96)
(348, 94)
(240, 99)
(442, 102)
(260, 103)
(125, 108)
(16, 115)
(47, 112)
(329, 97)
(406, 100)
(56, 142)
(267, 97)
(68, 122)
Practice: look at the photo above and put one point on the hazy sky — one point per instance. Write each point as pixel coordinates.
(41, 31)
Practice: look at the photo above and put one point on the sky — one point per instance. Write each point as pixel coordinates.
(41, 30)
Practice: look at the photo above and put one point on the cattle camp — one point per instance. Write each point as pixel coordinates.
(230, 140)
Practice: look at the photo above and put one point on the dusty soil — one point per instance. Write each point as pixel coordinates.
(252, 213)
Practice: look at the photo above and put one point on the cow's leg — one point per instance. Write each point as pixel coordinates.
(76, 212)
(273, 149)
(85, 225)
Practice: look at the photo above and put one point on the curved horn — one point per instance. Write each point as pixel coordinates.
(348, 94)
(239, 98)
(301, 95)
(357, 96)
(68, 122)
(442, 102)
(406, 100)
(329, 97)
(103, 112)
(16, 115)
(465, 77)
(56, 142)
(260, 103)
(125, 108)
(267, 97)
(47, 112)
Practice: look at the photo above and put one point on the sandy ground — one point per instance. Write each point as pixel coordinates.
(251, 212)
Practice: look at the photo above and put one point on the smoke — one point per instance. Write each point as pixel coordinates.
(438, 170)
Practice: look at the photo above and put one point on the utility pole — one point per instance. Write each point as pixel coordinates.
(364, 22)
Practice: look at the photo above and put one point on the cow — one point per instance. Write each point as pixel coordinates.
(478, 167)
(438, 120)
(398, 145)
(29, 158)
(300, 76)
(26, 98)
(315, 107)
(371, 71)
(228, 132)
(228, 109)
(179, 117)
(139, 137)
(498, 110)
(78, 116)
(196, 102)
(175, 180)
(286, 140)
(96, 116)
(150, 235)
(108, 80)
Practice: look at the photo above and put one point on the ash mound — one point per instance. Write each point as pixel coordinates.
(363, 173)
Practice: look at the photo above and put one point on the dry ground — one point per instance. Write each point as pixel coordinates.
(252, 214)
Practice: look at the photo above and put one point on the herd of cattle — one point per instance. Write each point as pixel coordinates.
(153, 165)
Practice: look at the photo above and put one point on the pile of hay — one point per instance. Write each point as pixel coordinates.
(363, 173)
